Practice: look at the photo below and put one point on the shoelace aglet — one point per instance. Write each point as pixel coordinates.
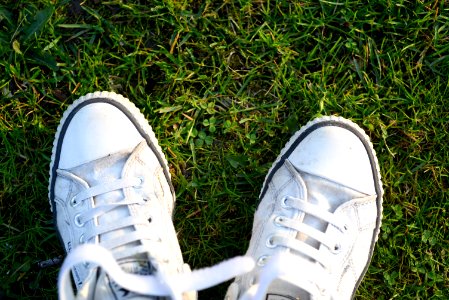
(50, 262)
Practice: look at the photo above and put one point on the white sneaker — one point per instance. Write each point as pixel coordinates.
(110, 186)
(318, 219)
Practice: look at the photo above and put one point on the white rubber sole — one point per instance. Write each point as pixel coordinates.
(142, 123)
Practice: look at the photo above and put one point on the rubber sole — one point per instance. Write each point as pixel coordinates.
(360, 133)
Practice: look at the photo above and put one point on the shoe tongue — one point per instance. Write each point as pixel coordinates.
(142, 267)
(106, 288)
(104, 170)
(328, 196)
(101, 171)
(103, 287)
(280, 290)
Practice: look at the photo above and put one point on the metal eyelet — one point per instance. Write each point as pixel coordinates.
(336, 249)
(73, 202)
(78, 221)
(270, 243)
(284, 202)
(279, 220)
(323, 291)
(262, 260)
(140, 185)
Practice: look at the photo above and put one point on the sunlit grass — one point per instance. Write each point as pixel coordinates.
(224, 85)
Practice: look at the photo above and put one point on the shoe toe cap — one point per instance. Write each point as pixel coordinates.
(95, 131)
(337, 154)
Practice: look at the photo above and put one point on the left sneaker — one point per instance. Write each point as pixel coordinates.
(110, 186)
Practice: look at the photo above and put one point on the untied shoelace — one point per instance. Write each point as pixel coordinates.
(175, 284)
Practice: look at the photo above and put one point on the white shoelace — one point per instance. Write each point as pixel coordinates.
(155, 285)
(285, 266)
(310, 271)
(331, 243)
(98, 211)
(289, 268)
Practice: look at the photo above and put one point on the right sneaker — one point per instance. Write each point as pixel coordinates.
(318, 218)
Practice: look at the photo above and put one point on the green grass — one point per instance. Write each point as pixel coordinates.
(224, 85)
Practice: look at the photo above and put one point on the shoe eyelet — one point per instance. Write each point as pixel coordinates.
(81, 239)
(336, 248)
(270, 243)
(140, 184)
(73, 202)
(284, 202)
(262, 260)
(78, 221)
(279, 220)
(322, 291)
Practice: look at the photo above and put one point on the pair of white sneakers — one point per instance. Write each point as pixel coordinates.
(111, 195)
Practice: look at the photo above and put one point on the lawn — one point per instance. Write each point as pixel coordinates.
(224, 85)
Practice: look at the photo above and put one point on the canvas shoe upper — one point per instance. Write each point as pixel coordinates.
(318, 218)
(110, 186)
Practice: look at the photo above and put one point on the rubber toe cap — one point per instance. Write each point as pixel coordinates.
(337, 154)
(95, 131)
